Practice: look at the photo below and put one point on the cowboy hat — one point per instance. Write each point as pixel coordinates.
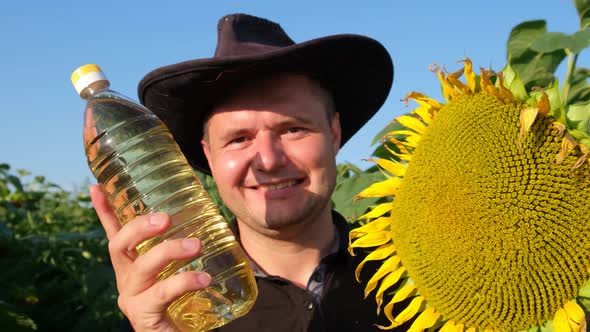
(356, 70)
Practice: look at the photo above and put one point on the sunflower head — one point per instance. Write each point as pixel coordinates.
(485, 228)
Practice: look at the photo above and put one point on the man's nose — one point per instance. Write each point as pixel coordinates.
(270, 154)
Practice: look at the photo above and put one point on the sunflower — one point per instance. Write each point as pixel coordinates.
(487, 226)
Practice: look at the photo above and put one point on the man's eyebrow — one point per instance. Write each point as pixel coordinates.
(231, 133)
(294, 119)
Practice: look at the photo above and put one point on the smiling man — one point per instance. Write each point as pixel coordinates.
(266, 117)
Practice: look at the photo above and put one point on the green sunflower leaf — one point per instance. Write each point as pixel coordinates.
(513, 83)
(551, 41)
(347, 188)
(554, 41)
(578, 116)
(583, 7)
(555, 101)
(535, 68)
(584, 291)
(522, 36)
(581, 40)
(579, 88)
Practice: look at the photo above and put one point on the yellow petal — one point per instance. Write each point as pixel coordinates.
(371, 240)
(412, 123)
(448, 89)
(543, 104)
(392, 167)
(376, 225)
(527, 117)
(583, 158)
(471, 329)
(426, 319)
(450, 326)
(505, 94)
(377, 211)
(403, 293)
(404, 154)
(458, 84)
(560, 323)
(385, 188)
(378, 254)
(568, 143)
(410, 139)
(425, 113)
(422, 100)
(470, 75)
(486, 83)
(576, 316)
(389, 265)
(390, 280)
(404, 316)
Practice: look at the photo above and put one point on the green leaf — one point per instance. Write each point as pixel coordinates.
(557, 109)
(578, 116)
(579, 88)
(536, 69)
(580, 95)
(522, 36)
(551, 41)
(346, 170)
(513, 83)
(15, 181)
(554, 41)
(347, 188)
(580, 40)
(583, 7)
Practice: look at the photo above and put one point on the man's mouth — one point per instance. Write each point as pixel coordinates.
(279, 185)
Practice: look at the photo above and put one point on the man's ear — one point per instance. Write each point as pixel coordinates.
(336, 132)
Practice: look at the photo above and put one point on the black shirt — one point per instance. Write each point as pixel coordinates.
(282, 306)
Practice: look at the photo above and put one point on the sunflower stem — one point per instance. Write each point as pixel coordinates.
(571, 66)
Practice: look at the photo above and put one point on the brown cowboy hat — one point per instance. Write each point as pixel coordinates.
(356, 70)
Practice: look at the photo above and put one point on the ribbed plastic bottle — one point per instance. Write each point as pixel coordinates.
(141, 169)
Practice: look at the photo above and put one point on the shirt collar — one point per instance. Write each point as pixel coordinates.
(339, 247)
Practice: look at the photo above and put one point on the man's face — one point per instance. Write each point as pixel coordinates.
(271, 149)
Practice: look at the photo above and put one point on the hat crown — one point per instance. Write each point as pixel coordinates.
(242, 34)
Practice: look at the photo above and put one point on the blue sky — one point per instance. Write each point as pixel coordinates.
(41, 42)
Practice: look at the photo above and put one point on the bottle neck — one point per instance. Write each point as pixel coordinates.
(93, 88)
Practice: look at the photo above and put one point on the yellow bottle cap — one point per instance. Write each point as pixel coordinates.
(85, 75)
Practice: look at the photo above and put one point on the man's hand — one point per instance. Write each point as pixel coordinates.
(142, 298)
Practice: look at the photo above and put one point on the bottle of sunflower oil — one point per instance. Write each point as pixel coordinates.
(141, 169)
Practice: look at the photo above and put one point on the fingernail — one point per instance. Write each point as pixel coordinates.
(190, 244)
(204, 278)
(157, 219)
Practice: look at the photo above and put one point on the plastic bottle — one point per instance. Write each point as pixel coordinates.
(141, 169)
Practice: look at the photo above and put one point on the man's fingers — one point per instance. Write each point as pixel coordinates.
(105, 213)
(138, 230)
(156, 300)
(146, 268)
(122, 244)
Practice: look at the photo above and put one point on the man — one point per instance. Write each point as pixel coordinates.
(266, 117)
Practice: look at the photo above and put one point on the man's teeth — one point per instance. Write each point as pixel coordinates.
(280, 185)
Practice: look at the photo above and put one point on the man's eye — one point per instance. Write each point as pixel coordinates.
(294, 130)
(238, 140)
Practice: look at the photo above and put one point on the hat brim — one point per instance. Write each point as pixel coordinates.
(357, 71)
